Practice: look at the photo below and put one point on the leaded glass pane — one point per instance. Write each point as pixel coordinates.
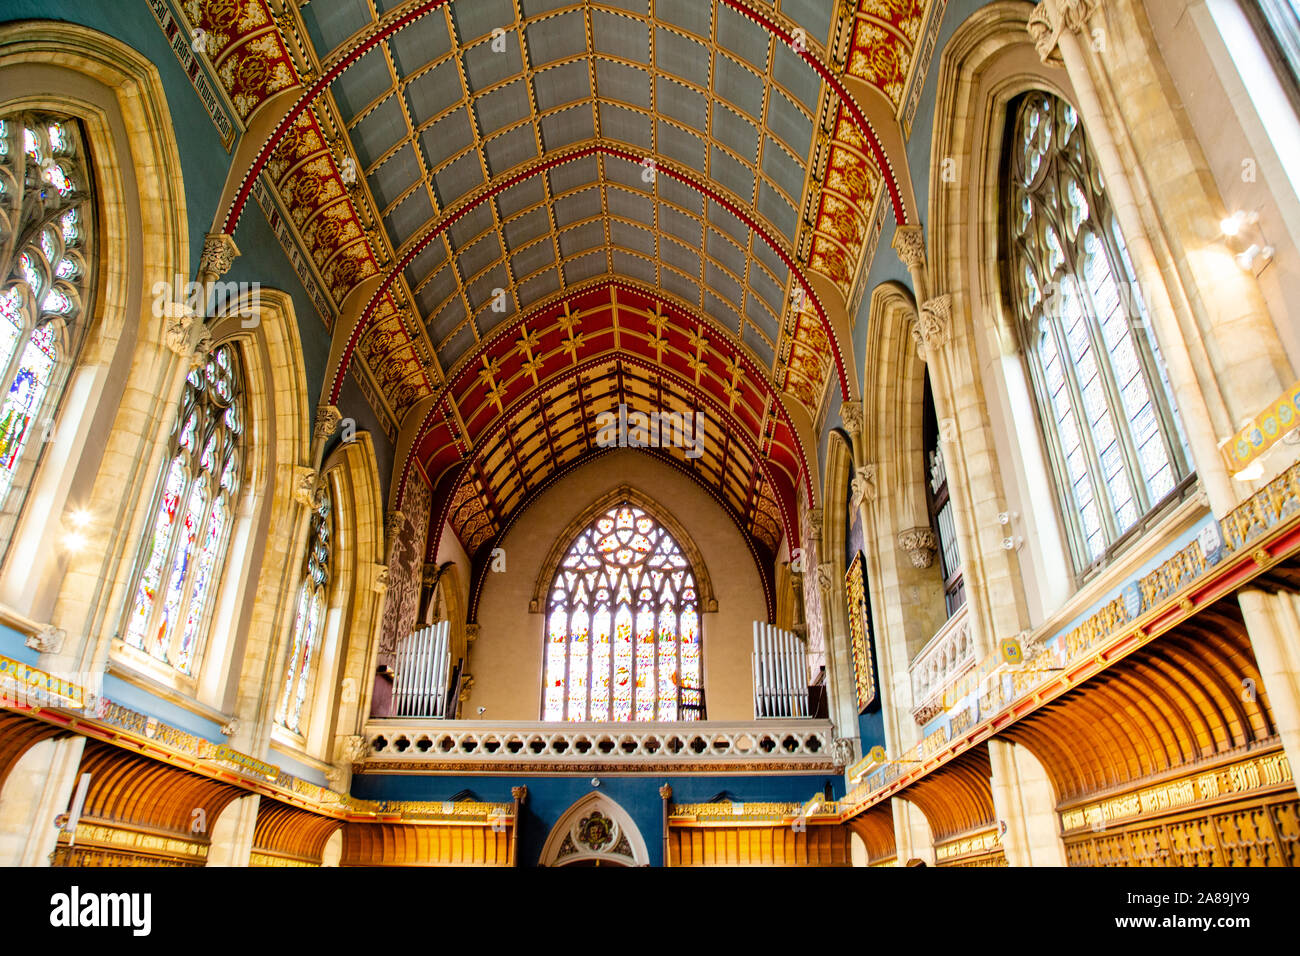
(1103, 396)
(623, 630)
(167, 620)
(309, 619)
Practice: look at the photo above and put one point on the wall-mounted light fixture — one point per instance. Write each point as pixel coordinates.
(1242, 234)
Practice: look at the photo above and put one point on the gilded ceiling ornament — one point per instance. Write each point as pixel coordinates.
(920, 545)
(219, 252)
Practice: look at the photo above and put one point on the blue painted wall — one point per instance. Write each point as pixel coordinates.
(550, 797)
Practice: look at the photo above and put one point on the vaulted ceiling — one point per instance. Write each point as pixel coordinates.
(565, 206)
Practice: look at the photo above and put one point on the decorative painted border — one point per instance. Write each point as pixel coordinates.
(175, 28)
(860, 632)
(289, 242)
(1263, 431)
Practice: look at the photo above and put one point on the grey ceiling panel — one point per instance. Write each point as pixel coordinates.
(682, 56)
(577, 270)
(568, 126)
(447, 137)
(422, 42)
(767, 255)
(764, 351)
(520, 196)
(676, 224)
(379, 132)
(534, 257)
(679, 256)
(796, 76)
(738, 85)
(632, 206)
(813, 15)
(581, 238)
(632, 237)
(743, 36)
(680, 194)
(526, 227)
(771, 293)
(624, 126)
(779, 212)
(723, 220)
(484, 66)
(362, 83)
(634, 267)
(450, 316)
(623, 37)
(480, 17)
(482, 290)
(779, 167)
(577, 206)
(721, 282)
(692, 15)
(502, 107)
(555, 38)
(423, 265)
(408, 217)
(733, 176)
(433, 92)
(395, 177)
(571, 175)
(477, 257)
(722, 312)
(790, 125)
(680, 285)
(456, 347)
(677, 144)
(680, 102)
(330, 22)
(469, 226)
(627, 84)
(735, 132)
(458, 179)
(761, 317)
(559, 85)
(627, 173)
(726, 252)
(537, 287)
(510, 149)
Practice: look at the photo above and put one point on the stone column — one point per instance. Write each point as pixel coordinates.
(1025, 805)
(232, 833)
(1273, 622)
(912, 837)
(39, 788)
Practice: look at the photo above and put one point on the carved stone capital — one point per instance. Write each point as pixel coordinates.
(825, 579)
(933, 322)
(466, 684)
(1051, 18)
(48, 640)
(231, 727)
(379, 582)
(202, 347)
(519, 793)
(472, 632)
(327, 421)
(862, 486)
(305, 486)
(811, 525)
(348, 690)
(394, 522)
(429, 574)
(182, 330)
(842, 751)
(920, 545)
(923, 715)
(219, 253)
(355, 748)
(852, 417)
(666, 792)
(909, 243)
(337, 778)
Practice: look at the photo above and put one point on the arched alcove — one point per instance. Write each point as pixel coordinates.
(595, 831)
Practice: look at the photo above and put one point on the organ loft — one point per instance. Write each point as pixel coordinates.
(649, 433)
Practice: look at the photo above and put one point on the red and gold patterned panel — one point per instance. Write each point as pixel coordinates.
(884, 36)
(242, 41)
(851, 184)
(807, 359)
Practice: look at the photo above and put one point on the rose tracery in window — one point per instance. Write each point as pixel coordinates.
(623, 624)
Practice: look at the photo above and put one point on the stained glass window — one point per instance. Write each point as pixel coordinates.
(46, 219)
(186, 542)
(1104, 399)
(623, 624)
(309, 618)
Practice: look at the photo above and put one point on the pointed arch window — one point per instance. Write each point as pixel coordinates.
(1103, 398)
(46, 230)
(623, 623)
(309, 617)
(190, 531)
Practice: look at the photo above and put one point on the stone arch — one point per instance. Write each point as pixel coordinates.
(577, 836)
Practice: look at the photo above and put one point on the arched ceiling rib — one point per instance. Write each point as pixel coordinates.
(764, 169)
